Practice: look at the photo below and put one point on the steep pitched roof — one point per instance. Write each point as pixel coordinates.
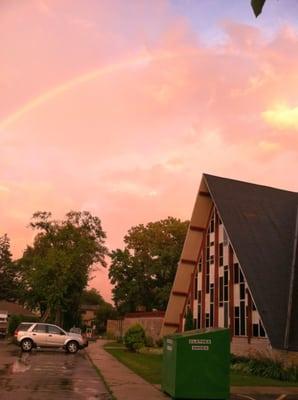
(260, 222)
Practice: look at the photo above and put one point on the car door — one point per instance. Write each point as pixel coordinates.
(56, 336)
(40, 335)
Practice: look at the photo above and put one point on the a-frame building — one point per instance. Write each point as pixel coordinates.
(239, 265)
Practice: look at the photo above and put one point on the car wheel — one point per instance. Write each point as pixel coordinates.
(72, 347)
(27, 345)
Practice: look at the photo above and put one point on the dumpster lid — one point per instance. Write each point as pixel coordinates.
(196, 332)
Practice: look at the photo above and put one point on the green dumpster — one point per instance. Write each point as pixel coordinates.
(196, 364)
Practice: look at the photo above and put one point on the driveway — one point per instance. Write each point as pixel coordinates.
(48, 375)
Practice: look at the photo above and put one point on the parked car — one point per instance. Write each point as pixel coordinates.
(3, 323)
(36, 334)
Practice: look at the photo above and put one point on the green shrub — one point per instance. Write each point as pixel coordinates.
(189, 325)
(264, 367)
(135, 337)
(14, 322)
(159, 342)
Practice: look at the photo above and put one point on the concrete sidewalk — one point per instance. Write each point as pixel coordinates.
(126, 385)
(122, 381)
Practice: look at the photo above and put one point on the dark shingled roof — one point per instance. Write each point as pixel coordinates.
(261, 224)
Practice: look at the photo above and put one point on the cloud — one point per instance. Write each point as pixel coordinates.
(123, 120)
(282, 117)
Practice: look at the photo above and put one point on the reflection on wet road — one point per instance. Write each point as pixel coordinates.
(47, 374)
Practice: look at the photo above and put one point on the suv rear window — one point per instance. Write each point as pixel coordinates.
(24, 326)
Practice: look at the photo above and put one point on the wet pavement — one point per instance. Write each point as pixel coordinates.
(48, 375)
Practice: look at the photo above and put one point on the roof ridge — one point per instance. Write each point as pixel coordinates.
(248, 183)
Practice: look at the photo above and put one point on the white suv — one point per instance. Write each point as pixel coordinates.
(36, 334)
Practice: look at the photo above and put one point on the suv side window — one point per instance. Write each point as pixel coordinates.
(24, 327)
(54, 330)
(41, 328)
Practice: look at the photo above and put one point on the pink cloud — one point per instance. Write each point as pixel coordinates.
(131, 144)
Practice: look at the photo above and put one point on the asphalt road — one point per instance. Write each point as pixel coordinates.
(48, 375)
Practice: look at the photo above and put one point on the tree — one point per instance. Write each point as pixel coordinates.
(143, 273)
(9, 288)
(105, 311)
(55, 269)
(91, 297)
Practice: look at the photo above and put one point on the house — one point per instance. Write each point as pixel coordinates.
(239, 266)
(151, 321)
(15, 309)
(88, 314)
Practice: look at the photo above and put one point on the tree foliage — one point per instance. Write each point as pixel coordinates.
(55, 269)
(105, 311)
(91, 297)
(144, 271)
(9, 285)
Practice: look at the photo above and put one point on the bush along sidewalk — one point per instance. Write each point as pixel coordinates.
(135, 338)
(264, 367)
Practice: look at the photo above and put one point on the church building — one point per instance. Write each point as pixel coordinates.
(239, 266)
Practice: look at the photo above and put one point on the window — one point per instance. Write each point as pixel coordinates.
(199, 316)
(237, 321)
(24, 326)
(226, 315)
(242, 318)
(196, 287)
(255, 330)
(236, 273)
(200, 265)
(207, 283)
(207, 320)
(212, 292)
(221, 288)
(262, 331)
(211, 314)
(242, 291)
(41, 328)
(220, 254)
(54, 330)
(212, 224)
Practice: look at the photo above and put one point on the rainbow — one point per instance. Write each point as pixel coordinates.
(140, 61)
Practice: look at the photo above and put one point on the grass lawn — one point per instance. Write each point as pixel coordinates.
(148, 366)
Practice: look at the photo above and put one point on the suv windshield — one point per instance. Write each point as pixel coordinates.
(24, 326)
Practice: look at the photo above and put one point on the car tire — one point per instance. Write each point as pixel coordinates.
(26, 345)
(72, 347)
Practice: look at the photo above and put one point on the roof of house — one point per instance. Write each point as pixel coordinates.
(262, 224)
(14, 308)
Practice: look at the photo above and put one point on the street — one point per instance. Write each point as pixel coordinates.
(48, 374)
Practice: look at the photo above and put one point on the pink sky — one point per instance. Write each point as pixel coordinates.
(119, 107)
